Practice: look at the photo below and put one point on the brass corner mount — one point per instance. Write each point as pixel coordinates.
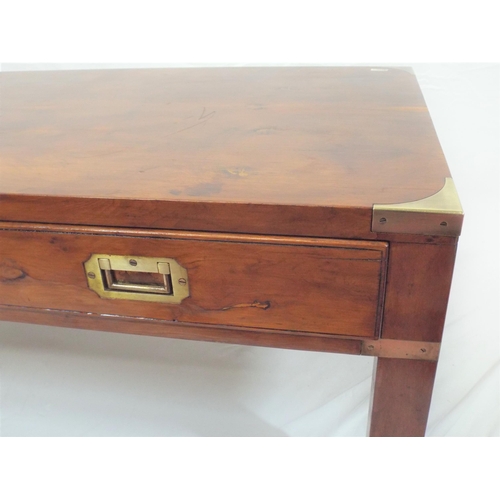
(401, 349)
(438, 215)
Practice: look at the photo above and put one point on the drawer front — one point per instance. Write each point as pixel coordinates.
(292, 284)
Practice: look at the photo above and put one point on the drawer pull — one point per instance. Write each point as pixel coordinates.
(137, 278)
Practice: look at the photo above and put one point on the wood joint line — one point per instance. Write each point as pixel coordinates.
(402, 349)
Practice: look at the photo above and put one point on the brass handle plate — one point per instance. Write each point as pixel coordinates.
(152, 279)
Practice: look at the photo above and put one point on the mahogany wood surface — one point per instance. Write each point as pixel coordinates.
(418, 288)
(160, 328)
(304, 151)
(322, 286)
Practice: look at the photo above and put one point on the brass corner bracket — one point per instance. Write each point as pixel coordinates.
(438, 215)
(401, 349)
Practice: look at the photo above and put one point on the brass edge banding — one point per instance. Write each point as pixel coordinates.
(440, 214)
(401, 349)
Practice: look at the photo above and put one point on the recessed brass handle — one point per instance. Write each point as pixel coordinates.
(137, 278)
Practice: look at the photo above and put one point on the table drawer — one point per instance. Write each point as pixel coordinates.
(292, 284)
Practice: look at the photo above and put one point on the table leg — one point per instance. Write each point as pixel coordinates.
(401, 396)
(418, 286)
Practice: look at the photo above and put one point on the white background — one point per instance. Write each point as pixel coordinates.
(63, 382)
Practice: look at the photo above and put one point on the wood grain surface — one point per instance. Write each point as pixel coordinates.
(161, 328)
(323, 286)
(418, 288)
(259, 149)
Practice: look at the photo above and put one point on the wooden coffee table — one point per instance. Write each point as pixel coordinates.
(302, 208)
